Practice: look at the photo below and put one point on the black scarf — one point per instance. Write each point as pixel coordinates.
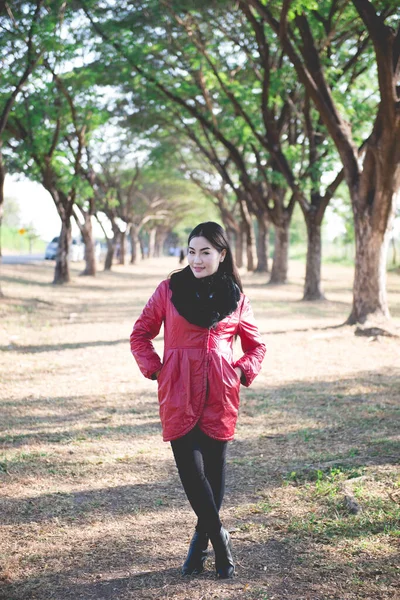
(205, 301)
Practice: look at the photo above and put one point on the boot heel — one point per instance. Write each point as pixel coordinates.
(197, 555)
(224, 564)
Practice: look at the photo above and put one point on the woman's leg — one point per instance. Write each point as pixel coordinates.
(201, 466)
(192, 453)
(214, 459)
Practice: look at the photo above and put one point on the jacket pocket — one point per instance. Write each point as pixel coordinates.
(164, 368)
(229, 374)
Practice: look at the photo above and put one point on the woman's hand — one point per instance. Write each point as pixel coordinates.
(156, 374)
(239, 372)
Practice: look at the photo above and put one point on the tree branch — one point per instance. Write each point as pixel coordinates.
(32, 62)
(305, 64)
(384, 42)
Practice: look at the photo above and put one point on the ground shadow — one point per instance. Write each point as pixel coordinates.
(57, 347)
(111, 432)
(320, 425)
(275, 567)
(23, 281)
(103, 503)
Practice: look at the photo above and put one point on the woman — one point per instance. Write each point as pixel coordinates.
(203, 309)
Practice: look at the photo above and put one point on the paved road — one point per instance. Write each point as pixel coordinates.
(21, 259)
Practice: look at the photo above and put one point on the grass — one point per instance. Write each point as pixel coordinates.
(91, 504)
(12, 241)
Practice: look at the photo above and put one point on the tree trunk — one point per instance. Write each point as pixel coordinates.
(312, 285)
(90, 255)
(162, 241)
(281, 252)
(372, 185)
(110, 254)
(369, 288)
(231, 236)
(1, 256)
(394, 253)
(2, 178)
(61, 273)
(115, 246)
(161, 236)
(152, 242)
(248, 229)
(142, 247)
(110, 248)
(122, 248)
(239, 248)
(157, 245)
(251, 250)
(262, 243)
(135, 243)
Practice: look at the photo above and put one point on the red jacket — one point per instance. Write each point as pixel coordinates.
(197, 382)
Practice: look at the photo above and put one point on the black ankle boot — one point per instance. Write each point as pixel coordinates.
(194, 563)
(223, 554)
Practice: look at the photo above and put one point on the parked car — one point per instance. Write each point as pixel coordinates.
(76, 251)
(51, 249)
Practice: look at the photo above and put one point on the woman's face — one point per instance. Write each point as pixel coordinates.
(203, 258)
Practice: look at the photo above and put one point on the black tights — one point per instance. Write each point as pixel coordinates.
(201, 466)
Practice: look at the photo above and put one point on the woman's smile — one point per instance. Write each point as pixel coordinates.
(203, 258)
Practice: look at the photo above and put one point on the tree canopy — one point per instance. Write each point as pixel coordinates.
(260, 106)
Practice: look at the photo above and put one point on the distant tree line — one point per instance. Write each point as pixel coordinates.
(259, 106)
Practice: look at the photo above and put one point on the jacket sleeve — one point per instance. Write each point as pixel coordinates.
(146, 328)
(252, 345)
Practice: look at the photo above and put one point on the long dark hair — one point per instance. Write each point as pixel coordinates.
(216, 235)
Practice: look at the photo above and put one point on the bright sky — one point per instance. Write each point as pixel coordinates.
(37, 208)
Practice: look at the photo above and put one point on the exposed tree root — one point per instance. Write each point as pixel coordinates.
(374, 332)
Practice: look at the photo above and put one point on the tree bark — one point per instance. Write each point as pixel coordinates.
(251, 250)
(90, 255)
(239, 248)
(373, 201)
(248, 232)
(122, 248)
(152, 242)
(231, 235)
(86, 230)
(110, 254)
(394, 253)
(2, 178)
(142, 247)
(135, 243)
(312, 285)
(110, 248)
(262, 243)
(369, 288)
(373, 185)
(281, 252)
(61, 273)
(161, 236)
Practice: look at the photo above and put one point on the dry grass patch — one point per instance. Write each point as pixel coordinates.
(91, 505)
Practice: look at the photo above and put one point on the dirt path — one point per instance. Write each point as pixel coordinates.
(90, 502)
